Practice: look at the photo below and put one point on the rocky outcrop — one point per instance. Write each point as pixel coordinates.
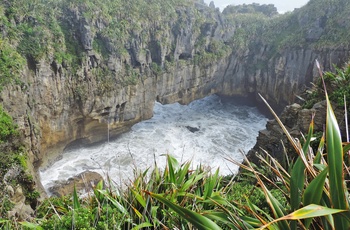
(14, 194)
(84, 183)
(21, 210)
(297, 120)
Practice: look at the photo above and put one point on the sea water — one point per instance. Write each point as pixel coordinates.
(206, 132)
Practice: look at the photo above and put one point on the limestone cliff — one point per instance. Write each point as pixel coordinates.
(93, 70)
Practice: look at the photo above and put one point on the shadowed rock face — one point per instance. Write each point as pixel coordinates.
(57, 106)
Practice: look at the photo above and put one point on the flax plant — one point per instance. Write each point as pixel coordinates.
(184, 191)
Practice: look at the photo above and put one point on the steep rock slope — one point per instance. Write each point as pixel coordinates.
(93, 66)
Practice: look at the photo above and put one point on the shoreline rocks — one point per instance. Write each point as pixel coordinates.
(83, 182)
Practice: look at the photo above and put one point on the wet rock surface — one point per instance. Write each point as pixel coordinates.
(192, 129)
(84, 183)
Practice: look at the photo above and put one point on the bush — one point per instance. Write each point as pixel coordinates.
(7, 126)
(11, 63)
(337, 84)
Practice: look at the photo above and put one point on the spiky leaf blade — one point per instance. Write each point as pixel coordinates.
(201, 222)
(320, 148)
(119, 206)
(297, 179)
(335, 163)
(313, 192)
(306, 212)
(141, 226)
(311, 211)
(76, 203)
(31, 225)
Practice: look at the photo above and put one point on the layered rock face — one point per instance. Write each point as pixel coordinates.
(281, 78)
(58, 106)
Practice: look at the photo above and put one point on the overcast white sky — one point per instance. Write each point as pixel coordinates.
(282, 5)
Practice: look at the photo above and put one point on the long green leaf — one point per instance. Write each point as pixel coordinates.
(113, 201)
(297, 183)
(172, 166)
(210, 184)
(191, 181)
(298, 174)
(313, 192)
(346, 148)
(76, 203)
(335, 163)
(277, 209)
(306, 212)
(297, 179)
(99, 186)
(258, 212)
(31, 225)
(183, 171)
(335, 159)
(311, 211)
(201, 222)
(222, 217)
(139, 198)
(143, 225)
(320, 148)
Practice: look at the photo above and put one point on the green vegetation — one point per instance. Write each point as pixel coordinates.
(132, 208)
(7, 126)
(11, 64)
(319, 24)
(269, 10)
(309, 192)
(13, 165)
(338, 86)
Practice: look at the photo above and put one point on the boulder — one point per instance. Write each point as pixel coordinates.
(84, 183)
(21, 210)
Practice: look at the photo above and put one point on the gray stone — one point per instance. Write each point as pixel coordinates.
(21, 211)
(84, 182)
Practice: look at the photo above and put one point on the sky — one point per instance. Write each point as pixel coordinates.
(282, 5)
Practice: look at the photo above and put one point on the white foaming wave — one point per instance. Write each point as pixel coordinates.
(224, 130)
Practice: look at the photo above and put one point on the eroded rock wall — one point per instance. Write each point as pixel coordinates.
(57, 105)
(281, 78)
